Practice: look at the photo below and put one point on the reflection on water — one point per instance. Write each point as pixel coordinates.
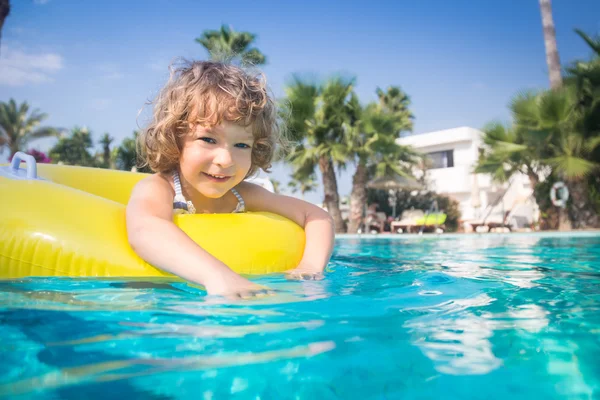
(456, 344)
(126, 369)
(499, 316)
(203, 331)
(457, 340)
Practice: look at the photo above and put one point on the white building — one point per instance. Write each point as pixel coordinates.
(453, 154)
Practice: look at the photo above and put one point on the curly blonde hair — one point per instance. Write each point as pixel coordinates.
(208, 93)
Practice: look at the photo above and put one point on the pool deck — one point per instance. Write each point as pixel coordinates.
(392, 236)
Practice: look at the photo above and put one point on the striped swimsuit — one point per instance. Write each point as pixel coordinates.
(183, 206)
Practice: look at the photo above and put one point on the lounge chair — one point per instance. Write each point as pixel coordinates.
(493, 221)
(408, 220)
(375, 222)
(433, 220)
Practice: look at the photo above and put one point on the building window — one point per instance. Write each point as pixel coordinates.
(441, 159)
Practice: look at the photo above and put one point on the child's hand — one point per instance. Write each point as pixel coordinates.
(238, 287)
(305, 273)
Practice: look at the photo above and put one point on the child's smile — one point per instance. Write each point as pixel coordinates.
(216, 177)
(212, 124)
(214, 160)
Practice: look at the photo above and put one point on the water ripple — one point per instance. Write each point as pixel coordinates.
(449, 317)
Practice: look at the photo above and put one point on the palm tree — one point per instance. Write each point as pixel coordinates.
(126, 156)
(17, 128)
(74, 149)
(303, 184)
(553, 120)
(372, 143)
(225, 44)
(546, 135)
(4, 11)
(505, 154)
(106, 141)
(552, 58)
(585, 77)
(397, 103)
(318, 118)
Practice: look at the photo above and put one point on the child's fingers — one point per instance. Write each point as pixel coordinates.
(294, 276)
(305, 276)
(255, 294)
(317, 276)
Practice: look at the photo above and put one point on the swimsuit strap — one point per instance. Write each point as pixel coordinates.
(180, 204)
(241, 206)
(183, 206)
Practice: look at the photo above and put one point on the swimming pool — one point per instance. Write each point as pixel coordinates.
(455, 316)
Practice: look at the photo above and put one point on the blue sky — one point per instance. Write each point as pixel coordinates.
(95, 63)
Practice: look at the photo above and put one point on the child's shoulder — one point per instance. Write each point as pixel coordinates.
(250, 188)
(152, 195)
(154, 185)
(255, 196)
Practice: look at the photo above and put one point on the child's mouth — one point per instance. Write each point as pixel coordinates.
(217, 178)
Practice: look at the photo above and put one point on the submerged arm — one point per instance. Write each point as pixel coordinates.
(155, 238)
(316, 222)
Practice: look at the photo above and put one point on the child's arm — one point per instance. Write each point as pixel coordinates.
(317, 223)
(155, 238)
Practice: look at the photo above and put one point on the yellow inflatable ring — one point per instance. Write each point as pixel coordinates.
(72, 223)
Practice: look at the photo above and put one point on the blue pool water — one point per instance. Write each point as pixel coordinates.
(454, 317)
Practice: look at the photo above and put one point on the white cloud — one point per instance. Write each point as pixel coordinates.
(19, 67)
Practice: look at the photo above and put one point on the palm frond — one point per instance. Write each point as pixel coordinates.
(17, 124)
(507, 148)
(254, 57)
(572, 167)
(524, 109)
(594, 43)
(497, 132)
(495, 167)
(555, 108)
(44, 132)
(592, 143)
(226, 44)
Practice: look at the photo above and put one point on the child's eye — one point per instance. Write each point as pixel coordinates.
(207, 139)
(242, 145)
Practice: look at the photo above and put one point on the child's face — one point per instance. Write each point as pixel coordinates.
(214, 160)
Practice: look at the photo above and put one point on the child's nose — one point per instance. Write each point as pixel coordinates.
(224, 158)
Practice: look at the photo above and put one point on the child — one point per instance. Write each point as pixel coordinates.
(213, 126)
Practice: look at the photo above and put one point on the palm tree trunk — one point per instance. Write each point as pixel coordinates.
(564, 223)
(332, 199)
(552, 58)
(14, 147)
(552, 218)
(106, 159)
(4, 11)
(581, 211)
(533, 178)
(358, 197)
